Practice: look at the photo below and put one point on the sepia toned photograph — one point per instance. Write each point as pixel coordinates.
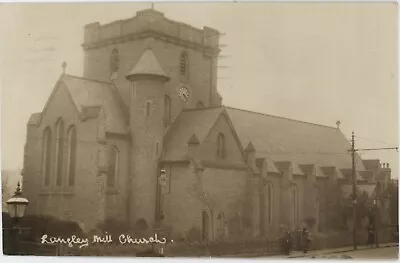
(224, 130)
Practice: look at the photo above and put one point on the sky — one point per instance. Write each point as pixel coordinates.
(315, 62)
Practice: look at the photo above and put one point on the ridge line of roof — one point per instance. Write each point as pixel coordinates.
(88, 79)
(279, 117)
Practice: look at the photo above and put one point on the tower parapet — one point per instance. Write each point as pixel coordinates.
(149, 22)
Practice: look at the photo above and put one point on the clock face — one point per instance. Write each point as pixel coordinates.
(184, 93)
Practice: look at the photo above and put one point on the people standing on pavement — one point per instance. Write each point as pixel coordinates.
(371, 235)
(305, 238)
(298, 235)
(287, 242)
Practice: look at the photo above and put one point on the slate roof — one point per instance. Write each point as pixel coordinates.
(189, 122)
(90, 94)
(372, 164)
(319, 173)
(283, 139)
(271, 166)
(274, 138)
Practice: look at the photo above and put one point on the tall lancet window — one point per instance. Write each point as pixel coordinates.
(71, 165)
(46, 159)
(184, 66)
(112, 167)
(221, 151)
(59, 151)
(270, 202)
(317, 207)
(114, 63)
(167, 110)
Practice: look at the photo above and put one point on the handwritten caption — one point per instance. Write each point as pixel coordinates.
(82, 242)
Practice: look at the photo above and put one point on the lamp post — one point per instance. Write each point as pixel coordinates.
(16, 208)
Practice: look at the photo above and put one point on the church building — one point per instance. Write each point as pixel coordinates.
(143, 138)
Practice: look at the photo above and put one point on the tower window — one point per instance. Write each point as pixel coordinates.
(114, 63)
(221, 151)
(148, 108)
(167, 110)
(59, 151)
(133, 90)
(184, 65)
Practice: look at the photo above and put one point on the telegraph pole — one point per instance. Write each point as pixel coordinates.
(353, 153)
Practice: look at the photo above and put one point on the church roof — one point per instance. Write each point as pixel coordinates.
(35, 118)
(271, 166)
(274, 138)
(147, 65)
(283, 139)
(372, 164)
(319, 173)
(91, 94)
(188, 123)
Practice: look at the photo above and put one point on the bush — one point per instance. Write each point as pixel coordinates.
(38, 225)
(193, 235)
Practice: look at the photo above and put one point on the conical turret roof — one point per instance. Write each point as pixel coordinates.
(147, 65)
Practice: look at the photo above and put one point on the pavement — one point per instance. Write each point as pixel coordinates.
(318, 253)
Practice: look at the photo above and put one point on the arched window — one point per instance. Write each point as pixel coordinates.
(59, 151)
(221, 151)
(71, 158)
(113, 167)
(205, 226)
(167, 110)
(221, 225)
(184, 65)
(46, 159)
(133, 90)
(148, 108)
(317, 208)
(114, 63)
(270, 202)
(295, 204)
(199, 105)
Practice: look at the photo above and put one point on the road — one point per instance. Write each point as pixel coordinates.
(374, 253)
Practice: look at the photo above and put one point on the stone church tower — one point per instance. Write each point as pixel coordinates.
(158, 67)
(186, 54)
(147, 131)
